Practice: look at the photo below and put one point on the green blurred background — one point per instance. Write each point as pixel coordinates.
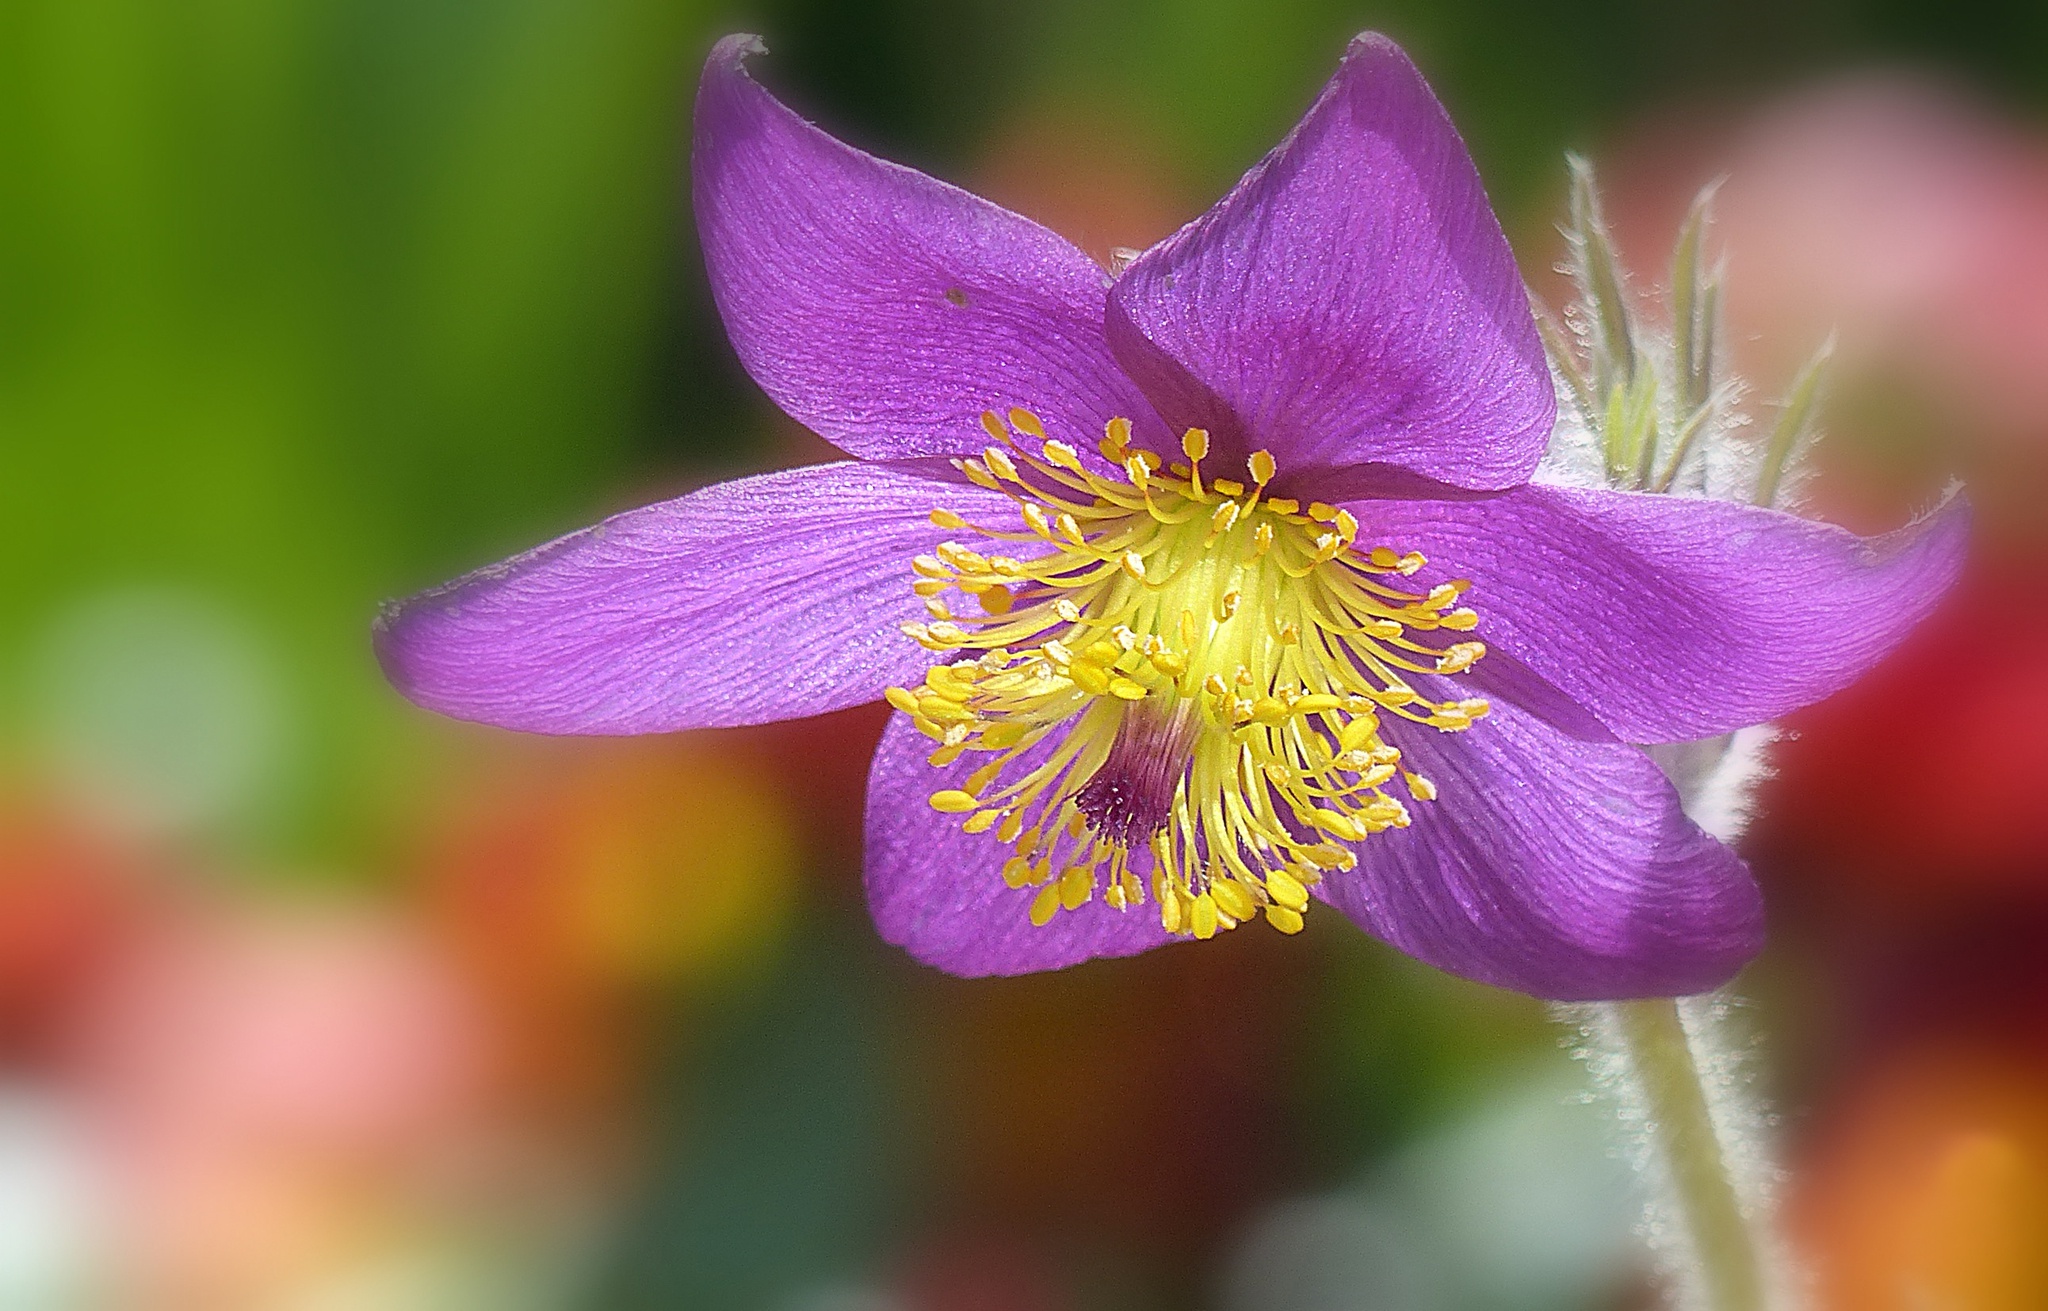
(309, 303)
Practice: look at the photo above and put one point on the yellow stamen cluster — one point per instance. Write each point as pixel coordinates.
(1179, 665)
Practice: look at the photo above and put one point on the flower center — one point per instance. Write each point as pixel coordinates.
(1181, 690)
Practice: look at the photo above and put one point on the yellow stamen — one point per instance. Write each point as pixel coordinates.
(1201, 673)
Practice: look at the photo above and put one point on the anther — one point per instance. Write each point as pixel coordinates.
(1195, 444)
(1044, 904)
(1089, 677)
(1357, 733)
(1286, 890)
(1233, 899)
(1065, 456)
(1459, 657)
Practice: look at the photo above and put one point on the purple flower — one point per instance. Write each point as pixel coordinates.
(1203, 590)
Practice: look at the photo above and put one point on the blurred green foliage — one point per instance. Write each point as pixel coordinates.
(775, 1167)
(303, 303)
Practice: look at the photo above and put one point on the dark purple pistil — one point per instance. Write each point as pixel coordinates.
(1130, 797)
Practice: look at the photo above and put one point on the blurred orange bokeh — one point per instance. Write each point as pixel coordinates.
(576, 880)
(1929, 1187)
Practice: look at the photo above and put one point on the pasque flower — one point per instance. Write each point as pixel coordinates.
(1205, 588)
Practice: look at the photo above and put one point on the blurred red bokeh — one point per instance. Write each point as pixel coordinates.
(74, 896)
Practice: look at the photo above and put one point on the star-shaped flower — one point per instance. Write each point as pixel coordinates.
(1205, 589)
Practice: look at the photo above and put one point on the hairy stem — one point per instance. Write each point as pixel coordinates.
(1681, 1123)
(1695, 1138)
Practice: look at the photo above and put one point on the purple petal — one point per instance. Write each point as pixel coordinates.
(1673, 618)
(1552, 866)
(939, 893)
(760, 599)
(882, 308)
(1351, 301)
